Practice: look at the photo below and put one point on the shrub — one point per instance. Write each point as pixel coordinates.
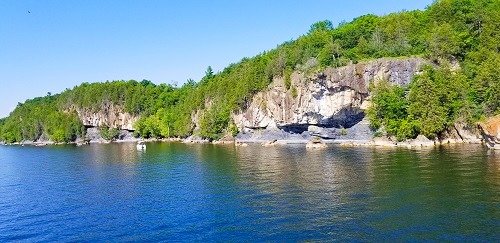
(109, 134)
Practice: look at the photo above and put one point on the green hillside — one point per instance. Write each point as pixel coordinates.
(447, 32)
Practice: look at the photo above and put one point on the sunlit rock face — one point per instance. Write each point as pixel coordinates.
(490, 130)
(108, 115)
(335, 98)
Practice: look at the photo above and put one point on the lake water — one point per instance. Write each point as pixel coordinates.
(178, 192)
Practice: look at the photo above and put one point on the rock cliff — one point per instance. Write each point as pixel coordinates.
(333, 99)
(109, 115)
(490, 130)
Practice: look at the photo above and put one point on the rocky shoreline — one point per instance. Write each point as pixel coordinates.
(317, 143)
(313, 138)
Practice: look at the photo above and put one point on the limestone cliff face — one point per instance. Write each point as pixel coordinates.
(107, 115)
(333, 98)
(491, 131)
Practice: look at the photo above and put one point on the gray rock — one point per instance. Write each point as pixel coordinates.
(421, 141)
(126, 135)
(93, 135)
(323, 103)
(109, 115)
(321, 132)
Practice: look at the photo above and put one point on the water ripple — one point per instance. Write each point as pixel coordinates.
(178, 192)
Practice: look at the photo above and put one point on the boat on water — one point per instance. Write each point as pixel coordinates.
(141, 145)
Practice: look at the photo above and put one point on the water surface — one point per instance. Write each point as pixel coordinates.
(175, 192)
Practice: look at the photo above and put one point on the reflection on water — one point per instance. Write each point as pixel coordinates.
(175, 191)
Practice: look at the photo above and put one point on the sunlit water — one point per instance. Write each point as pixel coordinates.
(175, 192)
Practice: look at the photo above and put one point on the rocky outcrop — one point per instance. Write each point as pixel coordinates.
(490, 130)
(108, 115)
(333, 99)
(460, 133)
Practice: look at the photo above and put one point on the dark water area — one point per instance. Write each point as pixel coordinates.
(178, 192)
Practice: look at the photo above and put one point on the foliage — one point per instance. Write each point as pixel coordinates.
(343, 132)
(433, 102)
(109, 133)
(37, 117)
(214, 122)
(325, 25)
(463, 31)
(390, 110)
(294, 92)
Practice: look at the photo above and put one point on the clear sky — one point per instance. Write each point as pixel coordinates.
(51, 45)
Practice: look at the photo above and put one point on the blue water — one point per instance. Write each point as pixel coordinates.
(178, 192)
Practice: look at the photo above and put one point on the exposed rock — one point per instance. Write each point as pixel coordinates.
(264, 135)
(450, 136)
(270, 143)
(360, 131)
(321, 132)
(383, 142)
(460, 133)
(126, 135)
(93, 135)
(334, 98)
(195, 139)
(227, 139)
(196, 117)
(240, 144)
(490, 130)
(44, 138)
(421, 141)
(316, 144)
(81, 142)
(109, 115)
(468, 134)
(222, 142)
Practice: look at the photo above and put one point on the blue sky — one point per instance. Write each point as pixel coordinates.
(61, 44)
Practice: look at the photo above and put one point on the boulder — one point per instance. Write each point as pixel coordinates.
(315, 143)
(321, 132)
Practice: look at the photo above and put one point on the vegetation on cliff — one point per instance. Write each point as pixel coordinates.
(446, 33)
(38, 117)
(463, 32)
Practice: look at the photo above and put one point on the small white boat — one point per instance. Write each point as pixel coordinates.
(141, 146)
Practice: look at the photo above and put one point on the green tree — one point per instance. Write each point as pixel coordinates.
(487, 84)
(209, 73)
(425, 106)
(443, 43)
(108, 133)
(325, 25)
(389, 109)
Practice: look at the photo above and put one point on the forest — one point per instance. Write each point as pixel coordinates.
(460, 38)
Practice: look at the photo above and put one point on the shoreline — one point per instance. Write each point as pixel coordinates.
(375, 142)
